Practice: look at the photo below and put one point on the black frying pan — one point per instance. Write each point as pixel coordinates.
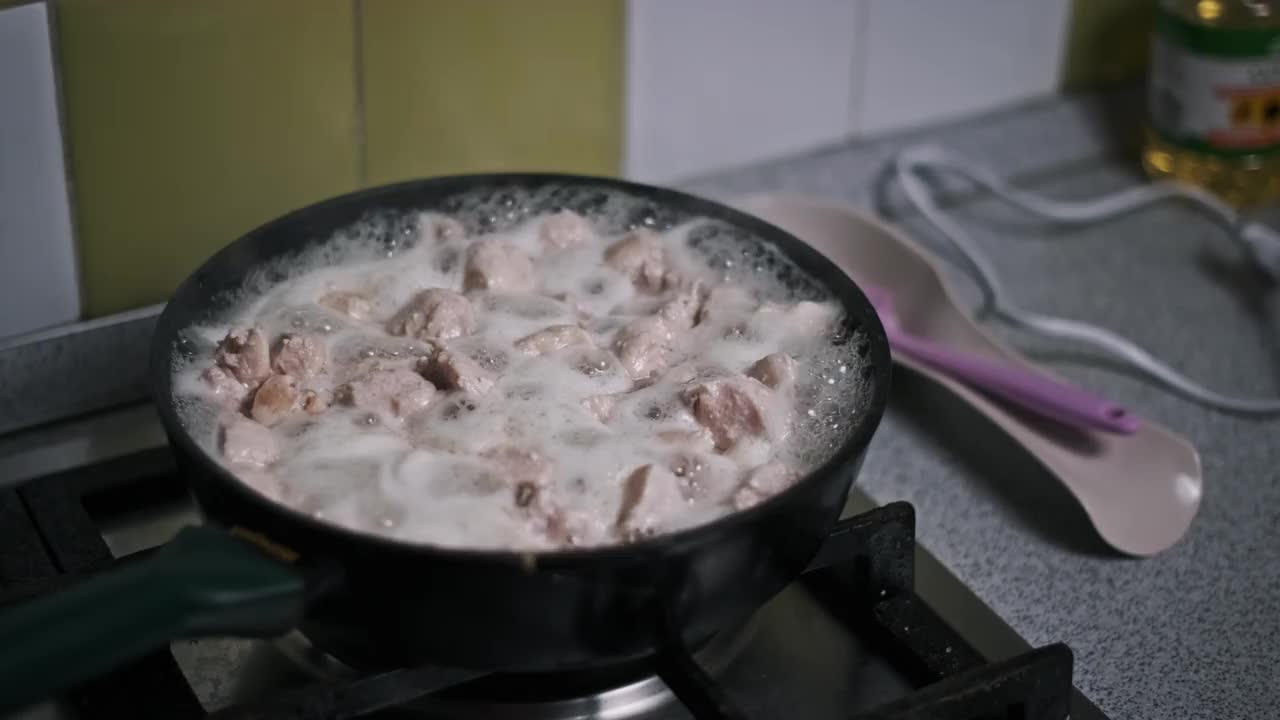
(260, 568)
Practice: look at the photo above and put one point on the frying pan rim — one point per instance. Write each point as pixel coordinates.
(851, 298)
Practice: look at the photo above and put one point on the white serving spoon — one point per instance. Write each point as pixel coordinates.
(1141, 491)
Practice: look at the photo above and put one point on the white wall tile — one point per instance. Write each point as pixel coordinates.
(931, 60)
(718, 83)
(38, 284)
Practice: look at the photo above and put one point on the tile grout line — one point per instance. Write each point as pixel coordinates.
(361, 128)
(64, 136)
(858, 71)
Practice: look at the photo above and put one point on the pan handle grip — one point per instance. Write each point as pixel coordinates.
(204, 582)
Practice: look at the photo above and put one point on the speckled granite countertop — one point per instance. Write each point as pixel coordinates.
(1194, 632)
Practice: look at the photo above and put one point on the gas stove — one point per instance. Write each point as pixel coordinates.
(876, 628)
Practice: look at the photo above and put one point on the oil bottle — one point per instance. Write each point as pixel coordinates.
(1214, 102)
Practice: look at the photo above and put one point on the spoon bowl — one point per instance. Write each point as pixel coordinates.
(1141, 491)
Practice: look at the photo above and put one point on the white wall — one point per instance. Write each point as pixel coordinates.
(38, 285)
(717, 83)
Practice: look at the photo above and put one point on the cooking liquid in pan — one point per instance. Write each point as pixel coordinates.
(544, 449)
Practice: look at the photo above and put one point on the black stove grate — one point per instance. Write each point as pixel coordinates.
(864, 572)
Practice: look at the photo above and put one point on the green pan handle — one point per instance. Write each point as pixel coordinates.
(204, 582)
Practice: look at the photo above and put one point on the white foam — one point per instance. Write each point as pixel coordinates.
(420, 480)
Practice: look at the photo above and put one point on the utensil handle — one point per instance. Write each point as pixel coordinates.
(1032, 391)
(204, 582)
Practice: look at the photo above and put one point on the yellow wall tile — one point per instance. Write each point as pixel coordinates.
(497, 85)
(1107, 43)
(190, 123)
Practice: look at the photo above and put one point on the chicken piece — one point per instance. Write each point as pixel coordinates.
(569, 527)
(805, 318)
(733, 408)
(642, 257)
(650, 494)
(763, 482)
(497, 265)
(248, 444)
(564, 230)
(725, 304)
(397, 391)
(551, 339)
(244, 353)
(313, 403)
(688, 468)
(527, 472)
(776, 370)
(444, 227)
(435, 314)
(412, 400)
(601, 406)
(226, 388)
(302, 356)
(453, 371)
(592, 361)
(276, 399)
(644, 347)
(681, 311)
(696, 439)
(353, 305)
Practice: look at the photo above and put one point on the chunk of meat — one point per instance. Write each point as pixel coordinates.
(601, 406)
(352, 304)
(453, 371)
(497, 265)
(314, 403)
(226, 388)
(550, 516)
(592, 361)
(435, 314)
(644, 347)
(569, 527)
(412, 400)
(733, 408)
(649, 495)
(689, 469)
(763, 482)
(244, 353)
(680, 311)
(302, 356)
(694, 439)
(276, 399)
(564, 230)
(551, 339)
(725, 304)
(247, 443)
(805, 318)
(398, 391)
(642, 257)
(444, 227)
(527, 471)
(776, 370)
(528, 474)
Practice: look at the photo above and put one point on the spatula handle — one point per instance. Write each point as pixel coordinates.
(1040, 394)
(204, 582)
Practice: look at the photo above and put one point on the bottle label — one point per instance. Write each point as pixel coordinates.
(1216, 90)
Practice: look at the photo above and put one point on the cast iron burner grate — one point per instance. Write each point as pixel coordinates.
(864, 573)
